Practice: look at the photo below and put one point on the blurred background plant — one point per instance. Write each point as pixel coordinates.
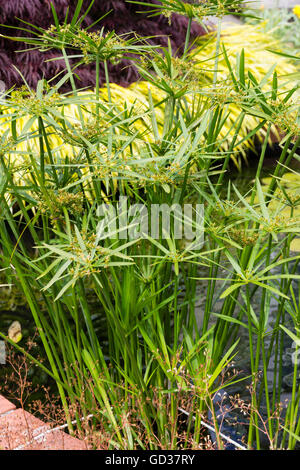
(283, 24)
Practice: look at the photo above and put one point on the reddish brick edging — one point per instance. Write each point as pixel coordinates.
(5, 405)
(19, 430)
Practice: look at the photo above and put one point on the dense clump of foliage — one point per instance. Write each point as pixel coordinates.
(81, 174)
(121, 17)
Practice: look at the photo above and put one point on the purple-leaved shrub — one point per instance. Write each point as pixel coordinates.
(124, 17)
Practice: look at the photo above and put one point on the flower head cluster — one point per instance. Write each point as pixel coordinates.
(175, 73)
(91, 132)
(138, 173)
(224, 92)
(57, 201)
(226, 208)
(6, 145)
(108, 167)
(161, 174)
(198, 9)
(278, 223)
(284, 117)
(193, 10)
(55, 38)
(243, 237)
(289, 198)
(189, 72)
(87, 264)
(92, 44)
(28, 101)
(85, 253)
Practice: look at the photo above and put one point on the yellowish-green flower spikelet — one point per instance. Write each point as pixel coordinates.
(258, 59)
(287, 194)
(285, 203)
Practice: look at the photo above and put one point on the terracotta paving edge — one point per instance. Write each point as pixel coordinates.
(19, 430)
(6, 406)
